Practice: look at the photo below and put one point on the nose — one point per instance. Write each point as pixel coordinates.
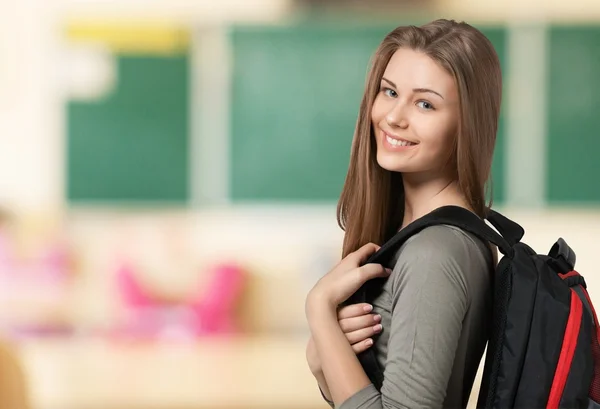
(396, 117)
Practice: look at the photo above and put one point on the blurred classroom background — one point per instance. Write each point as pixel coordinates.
(169, 173)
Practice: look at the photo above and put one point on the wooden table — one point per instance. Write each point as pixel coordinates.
(237, 373)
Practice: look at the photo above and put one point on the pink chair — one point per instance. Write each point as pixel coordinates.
(210, 310)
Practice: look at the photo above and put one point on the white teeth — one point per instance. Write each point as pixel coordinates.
(396, 142)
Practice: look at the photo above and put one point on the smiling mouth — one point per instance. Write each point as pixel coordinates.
(397, 142)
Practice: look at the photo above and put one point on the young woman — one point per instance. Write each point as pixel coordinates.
(424, 139)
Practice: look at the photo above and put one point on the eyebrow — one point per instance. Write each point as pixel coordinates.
(419, 90)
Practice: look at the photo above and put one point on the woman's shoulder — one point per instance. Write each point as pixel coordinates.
(443, 241)
(443, 252)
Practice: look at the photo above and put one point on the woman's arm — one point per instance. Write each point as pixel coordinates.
(430, 299)
(359, 325)
(321, 304)
(342, 371)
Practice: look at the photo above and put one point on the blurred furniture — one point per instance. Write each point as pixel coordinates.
(13, 385)
(227, 373)
(209, 310)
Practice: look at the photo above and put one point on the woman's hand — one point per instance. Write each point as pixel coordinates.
(345, 279)
(358, 324)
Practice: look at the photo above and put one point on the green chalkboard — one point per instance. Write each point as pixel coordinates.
(133, 144)
(498, 38)
(573, 119)
(295, 98)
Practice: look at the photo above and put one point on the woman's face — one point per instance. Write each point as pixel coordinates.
(415, 115)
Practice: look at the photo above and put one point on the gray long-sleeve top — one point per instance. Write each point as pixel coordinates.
(435, 310)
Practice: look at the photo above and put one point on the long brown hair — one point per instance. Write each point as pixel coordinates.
(371, 204)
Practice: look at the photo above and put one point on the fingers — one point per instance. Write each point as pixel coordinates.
(363, 334)
(359, 325)
(362, 254)
(354, 310)
(362, 346)
(356, 323)
(371, 271)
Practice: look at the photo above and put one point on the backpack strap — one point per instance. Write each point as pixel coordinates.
(510, 232)
(563, 256)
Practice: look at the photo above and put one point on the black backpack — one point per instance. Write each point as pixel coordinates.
(543, 350)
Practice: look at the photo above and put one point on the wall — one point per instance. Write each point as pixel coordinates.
(30, 114)
(515, 10)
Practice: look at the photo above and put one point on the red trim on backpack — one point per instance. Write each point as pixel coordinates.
(569, 274)
(567, 351)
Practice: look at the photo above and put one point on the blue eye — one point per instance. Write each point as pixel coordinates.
(390, 92)
(425, 105)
